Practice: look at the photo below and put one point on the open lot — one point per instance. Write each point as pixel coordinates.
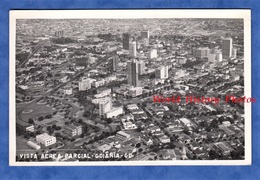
(37, 110)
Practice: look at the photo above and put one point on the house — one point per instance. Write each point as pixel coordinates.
(154, 129)
(104, 147)
(199, 152)
(123, 135)
(185, 122)
(226, 123)
(147, 141)
(164, 139)
(168, 154)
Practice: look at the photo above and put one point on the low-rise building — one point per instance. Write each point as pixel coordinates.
(24, 127)
(73, 130)
(46, 139)
(34, 145)
(114, 112)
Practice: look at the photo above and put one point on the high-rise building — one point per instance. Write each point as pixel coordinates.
(141, 66)
(85, 84)
(234, 53)
(132, 73)
(145, 34)
(132, 49)
(126, 41)
(105, 105)
(212, 56)
(162, 72)
(227, 47)
(146, 42)
(114, 62)
(219, 56)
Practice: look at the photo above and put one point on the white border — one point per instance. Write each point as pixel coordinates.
(131, 14)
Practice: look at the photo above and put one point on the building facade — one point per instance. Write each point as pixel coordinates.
(227, 47)
(126, 41)
(132, 73)
(132, 49)
(145, 34)
(46, 139)
(162, 72)
(105, 105)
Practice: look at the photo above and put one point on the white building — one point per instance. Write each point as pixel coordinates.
(132, 49)
(85, 83)
(105, 105)
(123, 135)
(152, 54)
(212, 57)
(98, 83)
(234, 53)
(104, 92)
(162, 72)
(141, 66)
(185, 121)
(67, 90)
(34, 145)
(132, 107)
(135, 91)
(46, 139)
(114, 112)
(219, 56)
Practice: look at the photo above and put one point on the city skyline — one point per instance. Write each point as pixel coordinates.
(92, 93)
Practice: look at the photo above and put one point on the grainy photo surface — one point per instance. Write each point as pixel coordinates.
(130, 90)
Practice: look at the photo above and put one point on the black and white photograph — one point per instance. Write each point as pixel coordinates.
(130, 87)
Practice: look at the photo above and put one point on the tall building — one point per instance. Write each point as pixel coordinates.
(162, 72)
(141, 66)
(85, 84)
(145, 34)
(227, 47)
(211, 57)
(219, 56)
(146, 42)
(132, 73)
(132, 49)
(105, 105)
(234, 53)
(126, 41)
(114, 62)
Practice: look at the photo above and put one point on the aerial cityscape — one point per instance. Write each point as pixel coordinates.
(129, 89)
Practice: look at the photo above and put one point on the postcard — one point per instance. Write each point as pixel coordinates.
(130, 87)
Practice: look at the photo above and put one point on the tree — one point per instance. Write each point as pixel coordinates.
(109, 120)
(31, 121)
(48, 116)
(208, 129)
(213, 154)
(138, 145)
(80, 121)
(57, 134)
(214, 123)
(41, 118)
